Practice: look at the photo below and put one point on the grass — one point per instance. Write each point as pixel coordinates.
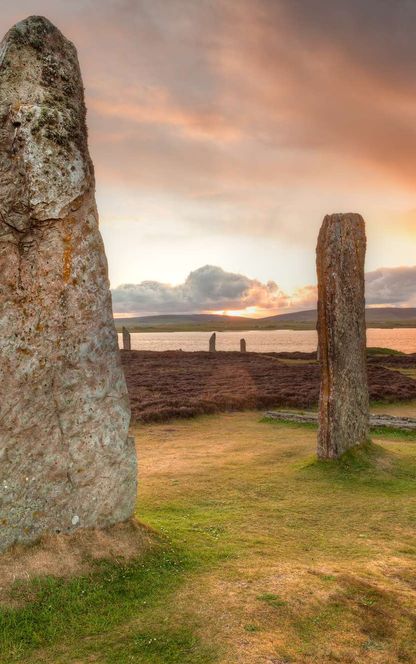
(399, 408)
(264, 555)
(389, 433)
(93, 611)
(379, 350)
(386, 433)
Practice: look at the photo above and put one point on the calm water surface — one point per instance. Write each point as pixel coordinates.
(264, 341)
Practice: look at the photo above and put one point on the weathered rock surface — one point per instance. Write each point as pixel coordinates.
(343, 409)
(126, 339)
(212, 342)
(65, 457)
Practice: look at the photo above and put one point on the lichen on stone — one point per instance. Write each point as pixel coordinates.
(64, 413)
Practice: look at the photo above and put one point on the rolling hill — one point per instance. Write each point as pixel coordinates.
(387, 317)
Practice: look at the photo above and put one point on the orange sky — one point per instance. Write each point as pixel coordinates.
(223, 131)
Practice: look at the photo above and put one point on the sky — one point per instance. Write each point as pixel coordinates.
(222, 132)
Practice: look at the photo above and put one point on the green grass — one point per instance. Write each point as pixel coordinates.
(311, 426)
(379, 350)
(264, 554)
(272, 600)
(387, 433)
(87, 611)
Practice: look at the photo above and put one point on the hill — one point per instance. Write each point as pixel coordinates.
(380, 317)
(186, 322)
(386, 317)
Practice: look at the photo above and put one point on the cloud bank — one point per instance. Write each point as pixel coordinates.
(234, 126)
(395, 286)
(210, 288)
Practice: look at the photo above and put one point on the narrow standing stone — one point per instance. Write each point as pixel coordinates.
(212, 342)
(65, 457)
(344, 404)
(243, 346)
(126, 339)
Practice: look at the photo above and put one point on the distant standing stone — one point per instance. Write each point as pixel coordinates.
(344, 403)
(126, 339)
(65, 457)
(243, 346)
(212, 342)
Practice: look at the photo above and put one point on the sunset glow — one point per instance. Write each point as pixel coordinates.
(222, 133)
(249, 312)
(208, 331)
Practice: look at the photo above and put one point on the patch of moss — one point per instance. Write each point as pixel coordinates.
(63, 128)
(30, 33)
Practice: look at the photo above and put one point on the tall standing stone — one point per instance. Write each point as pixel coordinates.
(126, 339)
(243, 346)
(344, 405)
(212, 342)
(65, 457)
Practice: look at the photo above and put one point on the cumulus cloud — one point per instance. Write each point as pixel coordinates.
(386, 286)
(206, 289)
(210, 288)
(395, 286)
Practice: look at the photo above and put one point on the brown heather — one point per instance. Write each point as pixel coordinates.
(165, 385)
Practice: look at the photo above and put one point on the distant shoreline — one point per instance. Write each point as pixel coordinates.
(248, 328)
(380, 317)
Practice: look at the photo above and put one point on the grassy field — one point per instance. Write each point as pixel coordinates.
(261, 554)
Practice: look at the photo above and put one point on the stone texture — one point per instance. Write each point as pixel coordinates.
(65, 457)
(343, 407)
(243, 346)
(126, 339)
(212, 343)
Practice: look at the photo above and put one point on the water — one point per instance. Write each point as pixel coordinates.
(266, 341)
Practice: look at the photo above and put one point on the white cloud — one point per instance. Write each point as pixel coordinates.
(206, 289)
(210, 288)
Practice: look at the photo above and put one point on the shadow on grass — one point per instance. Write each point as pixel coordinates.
(353, 605)
(369, 466)
(81, 615)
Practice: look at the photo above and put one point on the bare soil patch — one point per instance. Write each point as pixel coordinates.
(67, 555)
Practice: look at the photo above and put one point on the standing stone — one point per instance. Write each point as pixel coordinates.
(243, 346)
(212, 342)
(344, 405)
(126, 339)
(65, 457)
